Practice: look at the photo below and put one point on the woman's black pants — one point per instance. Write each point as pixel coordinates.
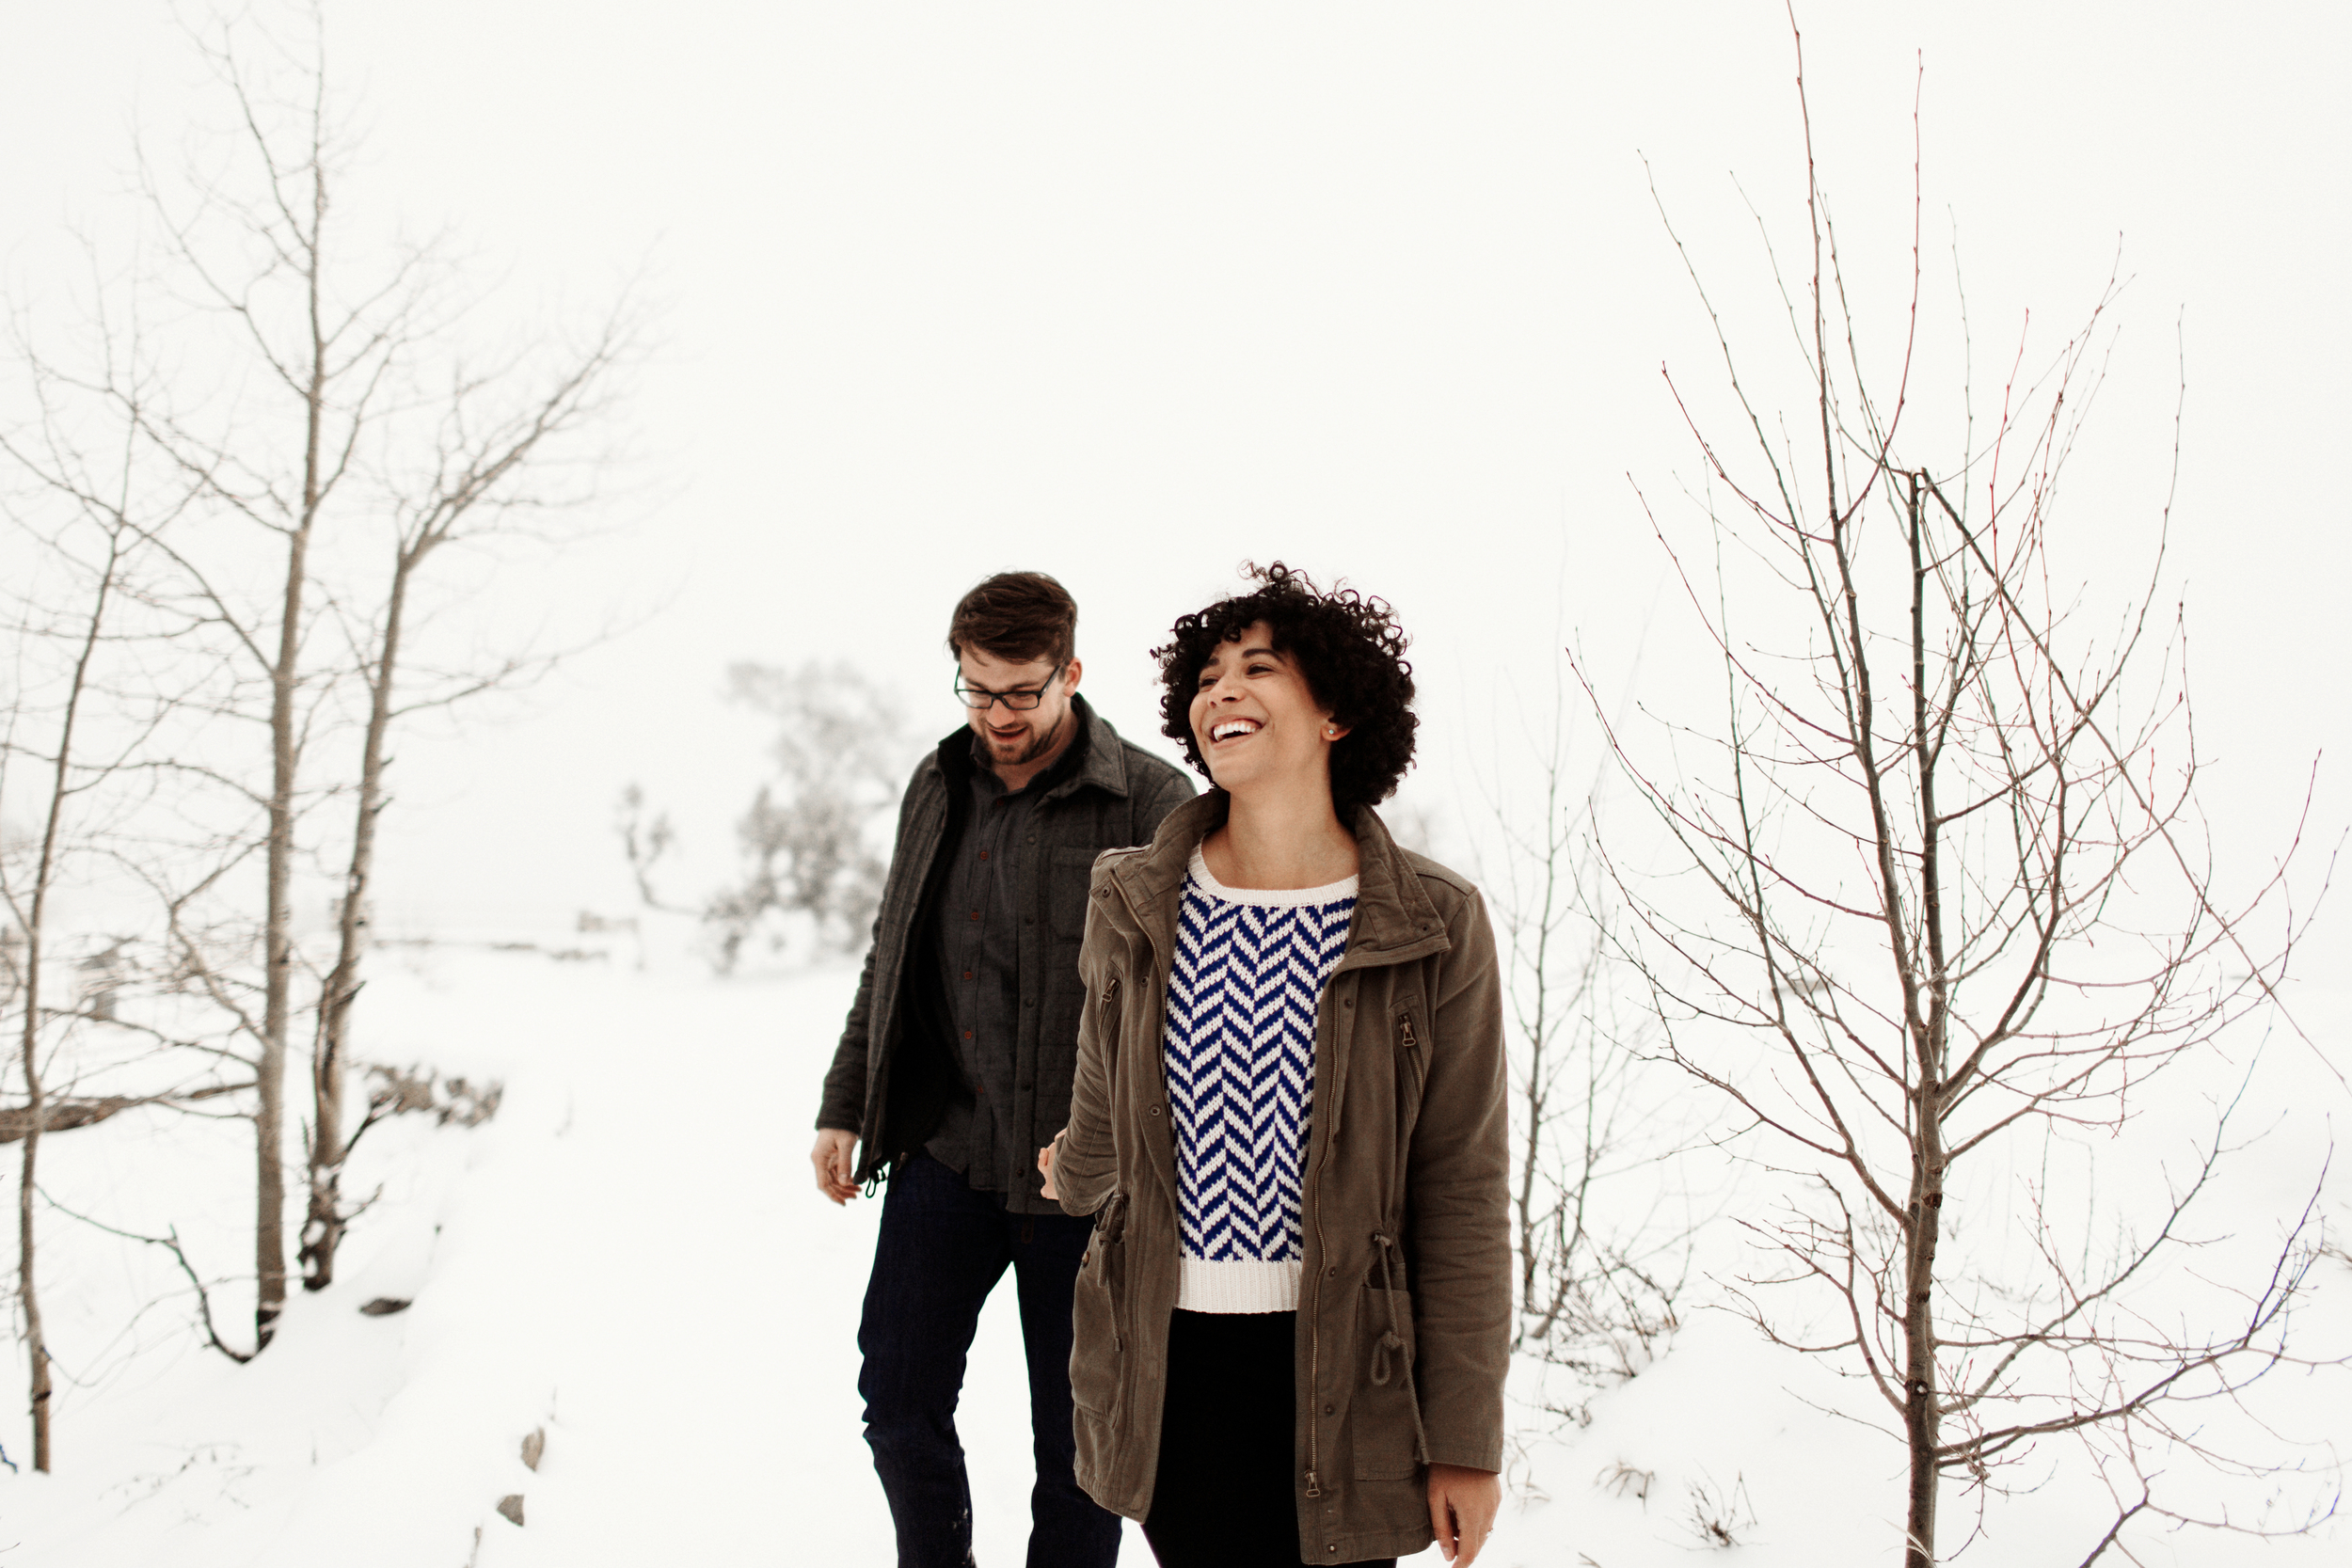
(1226, 1495)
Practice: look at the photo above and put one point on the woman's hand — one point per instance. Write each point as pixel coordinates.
(1462, 1507)
(1045, 1168)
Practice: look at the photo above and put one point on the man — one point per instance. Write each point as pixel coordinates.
(957, 1061)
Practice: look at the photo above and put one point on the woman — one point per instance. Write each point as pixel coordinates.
(1291, 1329)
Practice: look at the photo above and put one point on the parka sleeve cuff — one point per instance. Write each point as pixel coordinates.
(1485, 1456)
(1081, 1189)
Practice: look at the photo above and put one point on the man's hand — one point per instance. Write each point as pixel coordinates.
(835, 1159)
(1045, 1168)
(1462, 1505)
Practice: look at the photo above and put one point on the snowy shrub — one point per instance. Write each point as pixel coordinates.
(812, 850)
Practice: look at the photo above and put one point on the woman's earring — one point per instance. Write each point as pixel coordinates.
(1330, 731)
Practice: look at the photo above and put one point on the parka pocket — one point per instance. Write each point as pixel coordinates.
(1385, 1423)
(1412, 1056)
(1097, 1303)
(1107, 1020)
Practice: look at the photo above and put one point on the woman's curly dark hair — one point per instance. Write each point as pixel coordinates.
(1349, 649)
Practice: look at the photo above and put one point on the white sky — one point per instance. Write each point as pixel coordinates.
(1131, 293)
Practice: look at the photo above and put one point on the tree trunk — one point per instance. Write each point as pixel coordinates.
(269, 1234)
(269, 1110)
(269, 1116)
(36, 1343)
(35, 1104)
(1922, 1418)
(323, 1230)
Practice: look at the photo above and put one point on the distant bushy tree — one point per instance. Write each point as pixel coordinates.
(810, 842)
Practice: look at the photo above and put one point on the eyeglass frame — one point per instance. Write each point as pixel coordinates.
(1036, 695)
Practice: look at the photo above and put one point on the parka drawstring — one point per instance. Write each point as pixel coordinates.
(1392, 1344)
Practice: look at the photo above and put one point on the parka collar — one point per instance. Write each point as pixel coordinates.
(1105, 764)
(1394, 921)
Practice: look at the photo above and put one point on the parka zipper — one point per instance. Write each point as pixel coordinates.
(1114, 1044)
(1315, 1322)
(1112, 1226)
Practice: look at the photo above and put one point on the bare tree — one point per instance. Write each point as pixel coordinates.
(472, 483)
(77, 629)
(29, 905)
(327, 401)
(1601, 1264)
(255, 252)
(1958, 897)
(79, 625)
(646, 845)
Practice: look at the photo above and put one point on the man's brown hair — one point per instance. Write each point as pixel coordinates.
(1016, 616)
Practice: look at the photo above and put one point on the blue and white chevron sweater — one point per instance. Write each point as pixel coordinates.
(1239, 1047)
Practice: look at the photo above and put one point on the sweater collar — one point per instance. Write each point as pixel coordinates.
(1394, 918)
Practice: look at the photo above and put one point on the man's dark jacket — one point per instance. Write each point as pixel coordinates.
(893, 1071)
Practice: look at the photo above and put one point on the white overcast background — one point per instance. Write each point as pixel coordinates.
(1132, 294)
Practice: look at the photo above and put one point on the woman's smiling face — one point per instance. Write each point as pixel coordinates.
(1256, 720)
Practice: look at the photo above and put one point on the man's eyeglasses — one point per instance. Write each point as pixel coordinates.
(1021, 698)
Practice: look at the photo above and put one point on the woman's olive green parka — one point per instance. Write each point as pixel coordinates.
(1404, 1298)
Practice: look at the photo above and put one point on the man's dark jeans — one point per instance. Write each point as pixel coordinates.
(942, 1249)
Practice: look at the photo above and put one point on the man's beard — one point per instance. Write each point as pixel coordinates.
(1039, 744)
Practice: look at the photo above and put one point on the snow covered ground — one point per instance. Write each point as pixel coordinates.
(630, 1257)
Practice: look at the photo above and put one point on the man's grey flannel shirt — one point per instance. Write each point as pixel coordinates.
(975, 939)
(896, 1071)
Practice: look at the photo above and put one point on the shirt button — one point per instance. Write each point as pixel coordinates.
(1155, 1110)
(968, 975)
(983, 854)
(1331, 1272)
(1344, 1001)
(975, 916)
(1329, 1409)
(967, 1034)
